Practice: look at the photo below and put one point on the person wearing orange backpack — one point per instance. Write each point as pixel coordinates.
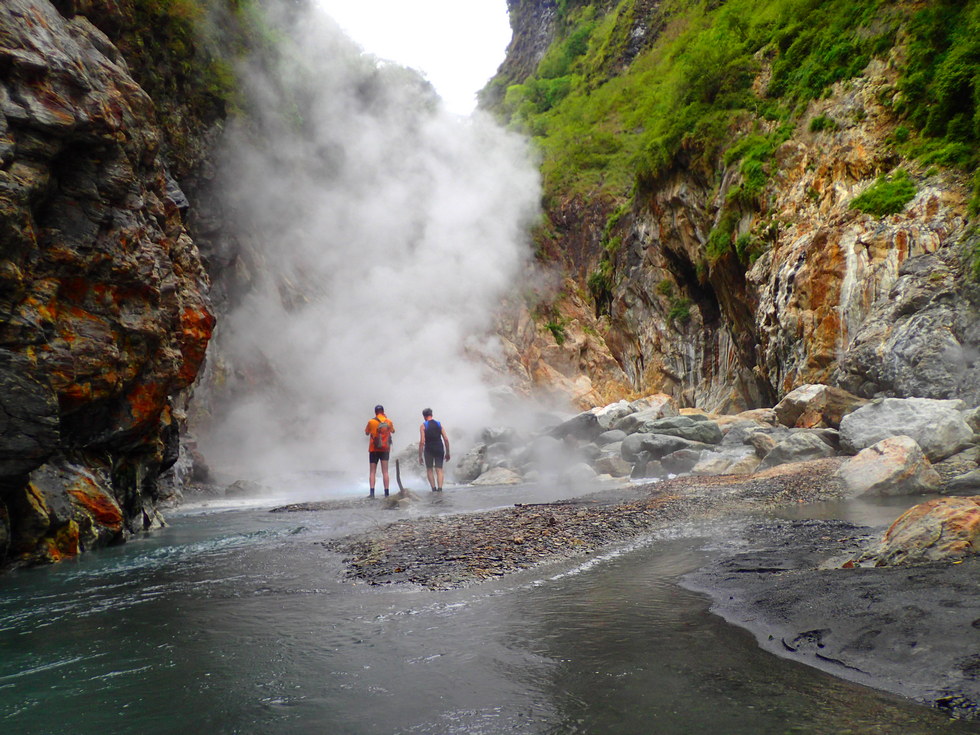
(379, 430)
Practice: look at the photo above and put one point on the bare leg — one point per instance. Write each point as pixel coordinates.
(430, 478)
(374, 470)
(440, 475)
(384, 474)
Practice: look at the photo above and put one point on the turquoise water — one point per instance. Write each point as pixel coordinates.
(238, 621)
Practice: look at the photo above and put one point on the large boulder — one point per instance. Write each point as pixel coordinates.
(615, 466)
(613, 436)
(656, 446)
(797, 447)
(608, 415)
(966, 484)
(696, 428)
(63, 510)
(816, 406)
(681, 461)
(583, 426)
(471, 465)
(936, 425)
(943, 529)
(893, 466)
(648, 409)
(498, 476)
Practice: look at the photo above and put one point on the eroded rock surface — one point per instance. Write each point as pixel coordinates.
(104, 313)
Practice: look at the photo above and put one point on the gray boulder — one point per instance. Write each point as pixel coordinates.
(610, 414)
(656, 445)
(965, 484)
(936, 425)
(696, 428)
(815, 405)
(498, 476)
(471, 465)
(681, 461)
(583, 426)
(578, 474)
(893, 466)
(631, 423)
(762, 443)
(797, 447)
(647, 468)
(610, 437)
(615, 466)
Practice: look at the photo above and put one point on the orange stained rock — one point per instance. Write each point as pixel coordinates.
(957, 519)
(64, 544)
(146, 401)
(197, 325)
(99, 504)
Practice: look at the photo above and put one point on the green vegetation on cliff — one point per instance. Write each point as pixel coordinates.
(631, 89)
(182, 53)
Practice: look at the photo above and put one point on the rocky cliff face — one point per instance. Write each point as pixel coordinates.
(881, 305)
(104, 313)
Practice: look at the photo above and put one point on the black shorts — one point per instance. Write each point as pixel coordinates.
(434, 459)
(375, 457)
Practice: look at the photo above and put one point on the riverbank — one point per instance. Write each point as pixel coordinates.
(444, 552)
(913, 631)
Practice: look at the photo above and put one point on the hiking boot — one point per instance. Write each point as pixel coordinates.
(371, 494)
(386, 492)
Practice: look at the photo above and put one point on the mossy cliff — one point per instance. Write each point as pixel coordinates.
(733, 189)
(107, 110)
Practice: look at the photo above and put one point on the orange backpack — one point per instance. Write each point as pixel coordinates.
(381, 439)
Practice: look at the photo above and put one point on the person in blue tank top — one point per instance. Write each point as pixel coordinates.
(433, 449)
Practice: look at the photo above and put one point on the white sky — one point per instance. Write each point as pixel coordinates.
(456, 44)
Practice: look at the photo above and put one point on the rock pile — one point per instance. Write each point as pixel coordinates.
(900, 446)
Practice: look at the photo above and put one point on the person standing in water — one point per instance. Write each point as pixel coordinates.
(379, 430)
(433, 449)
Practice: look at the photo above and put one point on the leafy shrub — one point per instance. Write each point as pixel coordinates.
(680, 310)
(821, 123)
(600, 286)
(557, 330)
(720, 238)
(888, 195)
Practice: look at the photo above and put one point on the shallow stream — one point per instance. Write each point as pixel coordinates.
(234, 620)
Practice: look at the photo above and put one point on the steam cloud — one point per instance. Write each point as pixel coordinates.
(382, 233)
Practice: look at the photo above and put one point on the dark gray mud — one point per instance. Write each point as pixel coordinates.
(914, 631)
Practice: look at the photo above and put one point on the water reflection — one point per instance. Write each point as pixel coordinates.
(636, 653)
(240, 622)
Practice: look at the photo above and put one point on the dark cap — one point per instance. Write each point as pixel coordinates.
(379, 408)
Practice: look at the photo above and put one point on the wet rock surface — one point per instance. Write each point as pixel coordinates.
(910, 630)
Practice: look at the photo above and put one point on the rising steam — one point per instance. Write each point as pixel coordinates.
(379, 233)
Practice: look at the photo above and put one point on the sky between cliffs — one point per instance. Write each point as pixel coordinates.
(456, 44)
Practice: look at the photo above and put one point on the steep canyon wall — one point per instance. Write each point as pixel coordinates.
(104, 308)
(724, 296)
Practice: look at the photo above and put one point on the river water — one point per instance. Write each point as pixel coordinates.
(235, 620)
